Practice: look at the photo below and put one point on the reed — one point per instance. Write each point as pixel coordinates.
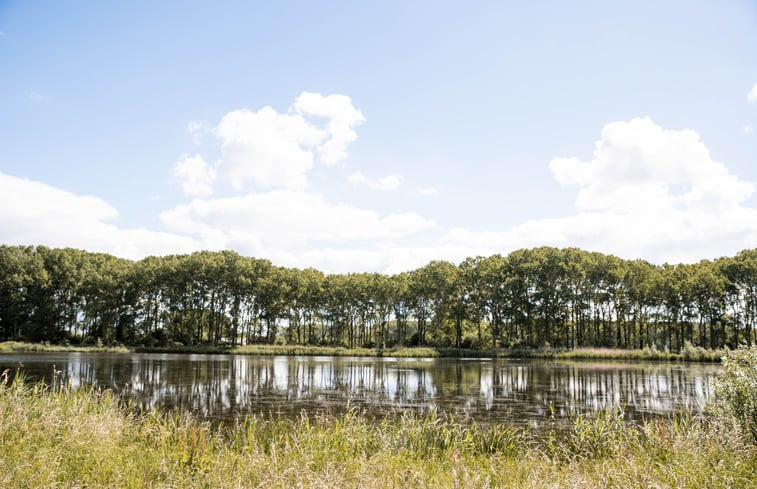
(20, 347)
(688, 354)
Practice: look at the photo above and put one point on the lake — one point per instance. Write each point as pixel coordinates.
(532, 393)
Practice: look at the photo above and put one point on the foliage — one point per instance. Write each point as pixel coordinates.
(736, 388)
(543, 298)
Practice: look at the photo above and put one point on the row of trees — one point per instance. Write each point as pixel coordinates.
(529, 298)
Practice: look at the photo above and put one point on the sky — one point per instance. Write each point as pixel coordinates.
(378, 136)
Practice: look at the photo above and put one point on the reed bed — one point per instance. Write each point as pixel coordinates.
(688, 354)
(21, 347)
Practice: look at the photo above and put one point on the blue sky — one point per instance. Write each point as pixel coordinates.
(354, 136)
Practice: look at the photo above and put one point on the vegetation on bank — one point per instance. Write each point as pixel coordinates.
(20, 346)
(688, 354)
(74, 438)
(736, 390)
(542, 298)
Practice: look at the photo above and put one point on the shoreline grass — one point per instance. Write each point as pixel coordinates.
(22, 347)
(86, 437)
(689, 353)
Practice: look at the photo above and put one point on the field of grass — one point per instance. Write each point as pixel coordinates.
(689, 353)
(78, 438)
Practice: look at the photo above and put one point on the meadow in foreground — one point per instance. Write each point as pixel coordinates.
(61, 437)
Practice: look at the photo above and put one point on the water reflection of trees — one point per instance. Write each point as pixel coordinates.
(225, 386)
(561, 389)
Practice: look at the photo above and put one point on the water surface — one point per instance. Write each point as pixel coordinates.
(522, 392)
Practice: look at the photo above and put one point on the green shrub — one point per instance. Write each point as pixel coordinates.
(736, 388)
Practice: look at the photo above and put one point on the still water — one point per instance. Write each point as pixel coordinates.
(522, 392)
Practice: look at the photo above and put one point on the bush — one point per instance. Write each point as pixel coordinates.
(736, 388)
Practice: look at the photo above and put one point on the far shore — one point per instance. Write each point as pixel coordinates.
(689, 354)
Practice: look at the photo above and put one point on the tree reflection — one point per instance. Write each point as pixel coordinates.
(521, 392)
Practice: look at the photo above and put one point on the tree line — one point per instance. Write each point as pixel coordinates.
(531, 298)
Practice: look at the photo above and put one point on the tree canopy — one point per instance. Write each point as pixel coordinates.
(530, 298)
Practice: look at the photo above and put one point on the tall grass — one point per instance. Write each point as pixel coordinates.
(20, 346)
(334, 351)
(689, 353)
(75, 438)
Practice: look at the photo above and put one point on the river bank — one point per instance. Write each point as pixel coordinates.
(689, 353)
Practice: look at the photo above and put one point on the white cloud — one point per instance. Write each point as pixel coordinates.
(277, 150)
(648, 193)
(266, 147)
(195, 175)
(428, 191)
(36, 97)
(342, 118)
(748, 129)
(33, 213)
(389, 183)
(639, 166)
(284, 221)
(394, 259)
(752, 95)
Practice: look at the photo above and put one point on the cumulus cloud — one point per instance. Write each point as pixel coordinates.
(290, 228)
(288, 221)
(195, 175)
(342, 117)
(389, 183)
(269, 148)
(648, 192)
(639, 166)
(752, 95)
(394, 259)
(276, 150)
(33, 213)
